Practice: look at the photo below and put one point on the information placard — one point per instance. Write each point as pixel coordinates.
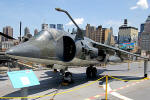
(23, 78)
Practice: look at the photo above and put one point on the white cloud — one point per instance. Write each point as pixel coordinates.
(141, 4)
(79, 21)
(134, 7)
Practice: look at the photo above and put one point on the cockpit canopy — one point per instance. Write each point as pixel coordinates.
(50, 33)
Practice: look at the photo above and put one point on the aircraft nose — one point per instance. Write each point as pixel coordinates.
(16, 51)
(10, 51)
(24, 50)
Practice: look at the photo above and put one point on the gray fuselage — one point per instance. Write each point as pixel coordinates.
(55, 47)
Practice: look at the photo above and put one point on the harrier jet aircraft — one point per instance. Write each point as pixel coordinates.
(53, 46)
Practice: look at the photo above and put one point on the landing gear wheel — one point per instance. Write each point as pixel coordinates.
(55, 70)
(94, 72)
(88, 72)
(68, 74)
(67, 78)
(91, 72)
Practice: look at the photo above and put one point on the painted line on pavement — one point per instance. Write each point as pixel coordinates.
(114, 90)
(115, 93)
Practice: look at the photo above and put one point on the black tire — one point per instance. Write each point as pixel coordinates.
(68, 74)
(55, 70)
(89, 72)
(94, 72)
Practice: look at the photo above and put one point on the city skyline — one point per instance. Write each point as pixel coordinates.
(97, 12)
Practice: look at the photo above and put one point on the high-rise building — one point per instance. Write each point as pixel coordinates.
(142, 27)
(98, 34)
(127, 33)
(142, 34)
(145, 36)
(35, 32)
(112, 41)
(90, 31)
(52, 25)
(141, 30)
(148, 19)
(116, 39)
(105, 33)
(139, 35)
(60, 27)
(44, 26)
(8, 31)
(26, 31)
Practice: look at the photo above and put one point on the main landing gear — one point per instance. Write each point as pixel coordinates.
(91, 72)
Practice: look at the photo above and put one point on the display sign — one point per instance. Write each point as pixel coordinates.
(126, 46)
(23, 78)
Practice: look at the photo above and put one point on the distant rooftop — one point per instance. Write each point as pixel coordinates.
(148, 19)
(125, 25)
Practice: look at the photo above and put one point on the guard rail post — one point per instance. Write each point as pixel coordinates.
(145, 68)
(106, 87)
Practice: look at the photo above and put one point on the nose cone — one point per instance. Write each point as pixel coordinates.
(24, 50)
(11, 51)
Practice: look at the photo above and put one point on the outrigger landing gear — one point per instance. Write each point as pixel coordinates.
(91, 72)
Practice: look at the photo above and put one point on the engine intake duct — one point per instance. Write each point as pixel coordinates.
(69, 49)
(101, 55)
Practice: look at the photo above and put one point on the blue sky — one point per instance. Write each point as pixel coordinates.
(107, 13)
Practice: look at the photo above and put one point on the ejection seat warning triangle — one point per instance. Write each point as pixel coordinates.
(23, 78)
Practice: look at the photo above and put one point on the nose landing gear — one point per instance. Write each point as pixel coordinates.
(66, 78)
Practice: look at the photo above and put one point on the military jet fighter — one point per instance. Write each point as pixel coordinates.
(53, 46)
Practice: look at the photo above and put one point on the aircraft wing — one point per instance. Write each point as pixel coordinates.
(112, 50)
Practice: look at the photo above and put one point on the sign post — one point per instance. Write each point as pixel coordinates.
(145, 68)
(24, 93)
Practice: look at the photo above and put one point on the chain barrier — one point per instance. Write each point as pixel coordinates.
(32, 97)
(54, 94)
(127, 80)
